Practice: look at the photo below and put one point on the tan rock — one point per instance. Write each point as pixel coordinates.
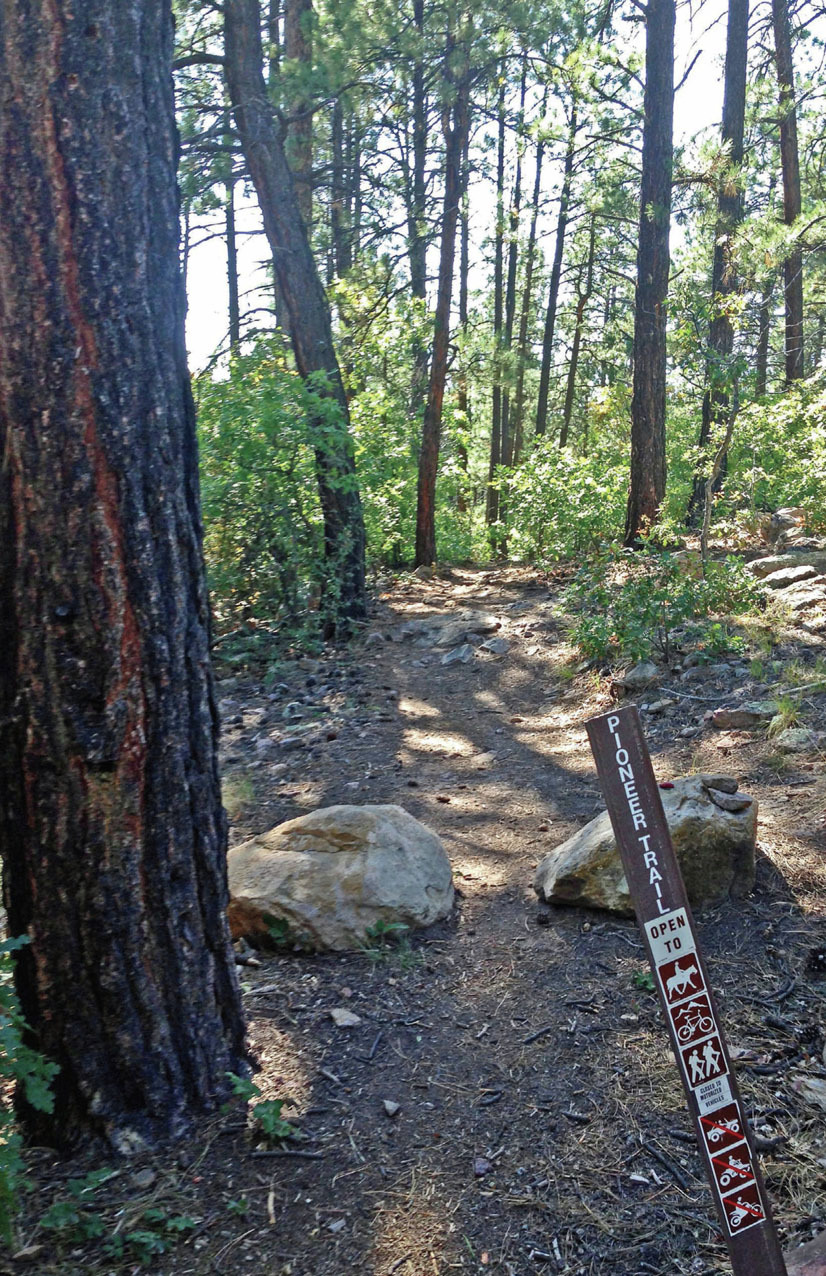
(715, 850)
(333, 874)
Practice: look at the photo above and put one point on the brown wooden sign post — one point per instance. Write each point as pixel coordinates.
(656, 885)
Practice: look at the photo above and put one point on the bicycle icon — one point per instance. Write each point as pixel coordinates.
(696, 1021)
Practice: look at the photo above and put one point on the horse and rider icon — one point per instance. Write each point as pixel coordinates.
(704, 1062)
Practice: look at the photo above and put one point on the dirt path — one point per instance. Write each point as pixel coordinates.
(541, 1125)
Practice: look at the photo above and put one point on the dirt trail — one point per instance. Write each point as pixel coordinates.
(541, 1126)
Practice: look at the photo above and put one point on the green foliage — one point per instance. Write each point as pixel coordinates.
(266, 1115)
(381, 933)
(29, 1071)
(263, 529)
(779, 453)
(643, 979)
(629, 605)
(562, 505)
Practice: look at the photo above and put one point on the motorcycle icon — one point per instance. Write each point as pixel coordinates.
(735, 1170)
(742, 1211)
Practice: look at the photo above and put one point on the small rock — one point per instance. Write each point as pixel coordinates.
(424, 572)
(797, 740)
(724, 783)
(657, 706)
(497, 646)
(392, 1109)
(746, 717)
(730, 801)
(789, 576)
(636, 679)
(375, 639)
(481, 1166)
(458, 655)
(143, 1179)
(344, 1018)
(293, 712)
(293, 742)
(336, 1226)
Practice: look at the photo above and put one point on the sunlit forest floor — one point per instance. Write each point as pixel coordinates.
(541, 1125)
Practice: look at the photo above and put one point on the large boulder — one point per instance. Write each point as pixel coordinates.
(713, 828)
(331, 875)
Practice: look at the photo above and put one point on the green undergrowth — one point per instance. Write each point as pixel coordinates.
(626, 605)
(24, 1069)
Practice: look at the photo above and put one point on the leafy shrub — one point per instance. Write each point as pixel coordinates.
(29, 1071)
(263, 538)
(628, 605)
(562, 505)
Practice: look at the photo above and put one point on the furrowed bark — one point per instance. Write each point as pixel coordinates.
(648, 401)
(112, 835)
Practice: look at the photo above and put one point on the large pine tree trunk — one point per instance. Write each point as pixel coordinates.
(306, 304)
(112, 834)
(456, 123)
(556, 275)
(729, 215)
(790, 163)
(648, 400)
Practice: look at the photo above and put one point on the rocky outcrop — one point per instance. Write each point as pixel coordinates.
(713, 828)
(328, 877)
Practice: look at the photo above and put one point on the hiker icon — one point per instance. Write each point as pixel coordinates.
(704, 1064)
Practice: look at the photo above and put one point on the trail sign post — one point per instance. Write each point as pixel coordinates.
(656, 885)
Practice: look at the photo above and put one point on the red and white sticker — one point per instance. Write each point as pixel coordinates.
(680, 979)
(692, 1019)
(743, 1209)
(732, 1167)
(704, 1061)
(722, 1129)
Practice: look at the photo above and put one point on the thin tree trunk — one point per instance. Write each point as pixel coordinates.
(462, 402)
(232, 265)
(510, 288)
(309, 314)
(417, 203)
(456, 124)
(583, 298)
(648, 401)
(761, 358)
(274, 37)
(525, 310)
(492, 505)
(790, 164)
(298, 47)
(112, 833)
(339, 230)
(723, 278)
(556, 275)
